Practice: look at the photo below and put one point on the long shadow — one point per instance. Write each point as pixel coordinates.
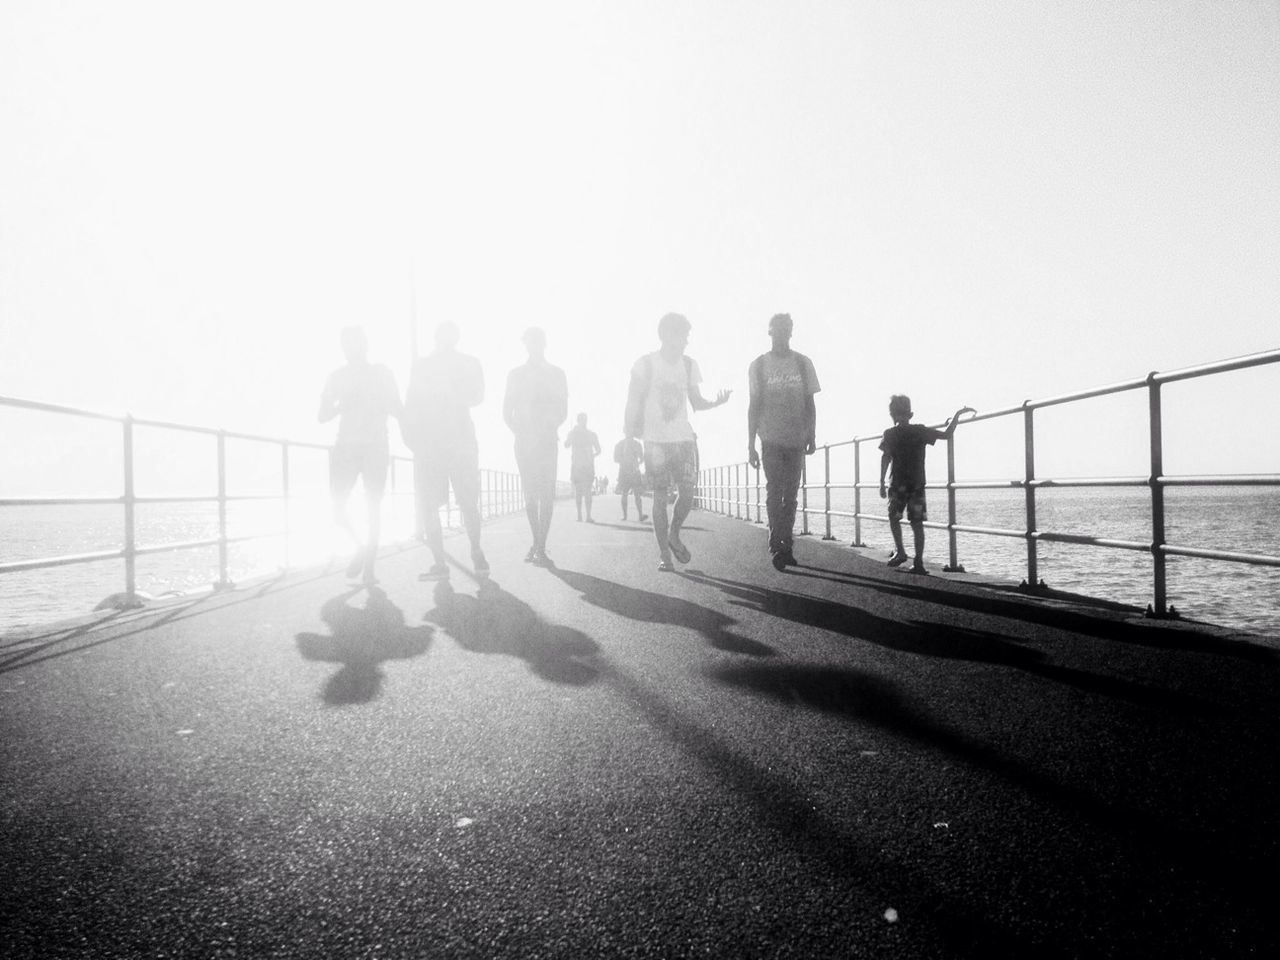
(650, 607)
(361, 639)
(498, 622)
(938, 640)
(993, 601)
(631, 527)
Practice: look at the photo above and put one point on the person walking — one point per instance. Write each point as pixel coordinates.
(436, 426)
(362, 395)
(782, 412)
(536, 402)
(585, 447)
(664, 386)
(628, 454)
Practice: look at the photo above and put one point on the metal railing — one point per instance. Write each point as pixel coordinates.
(722, 490)
(500, 491)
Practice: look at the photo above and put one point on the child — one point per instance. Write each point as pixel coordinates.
(903, 446)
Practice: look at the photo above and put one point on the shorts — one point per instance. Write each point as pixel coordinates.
(349, 461)
(630, 482)
(537, 461)
(910, 500)
(433, 472)
(583, 479)
(672, 464)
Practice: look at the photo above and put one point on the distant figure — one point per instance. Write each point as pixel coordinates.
(628, 454)
(664, 385)
(782, 384)
(582, 465)
(362, 395)
(437, 427)
(535, 404)
(904, 448)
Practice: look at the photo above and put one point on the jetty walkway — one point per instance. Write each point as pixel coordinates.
(604, 760)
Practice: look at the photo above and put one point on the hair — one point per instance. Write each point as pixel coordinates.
(781, 318)
(673, 323)
(899, 405)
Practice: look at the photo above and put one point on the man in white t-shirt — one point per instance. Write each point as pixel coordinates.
(664, 385)
(782, 412)
(362, 395)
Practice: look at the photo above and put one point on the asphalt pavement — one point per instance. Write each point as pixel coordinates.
(601, 759)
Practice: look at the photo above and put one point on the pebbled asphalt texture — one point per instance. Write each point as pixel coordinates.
(602, 759)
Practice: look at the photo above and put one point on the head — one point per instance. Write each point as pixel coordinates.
(900, 408)
(535, 342)
(582, 419)
(446, 335)
(673, 330)
(355, 346)
(780, 327)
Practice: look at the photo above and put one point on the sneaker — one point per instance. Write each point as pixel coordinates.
(532, 555)
(897, 560)
(779, 561)
(479, 563)
(666, 566)
(678, 549)
(543, 560)
(643, 517)
(918, 567)
(438, 571)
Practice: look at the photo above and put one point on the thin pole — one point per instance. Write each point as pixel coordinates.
(857, 493)
(1158, 560)
(1029, 440)
(130, 535)
(826, 484)
(224, 582)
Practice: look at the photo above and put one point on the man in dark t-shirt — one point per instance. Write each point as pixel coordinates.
(903, 447)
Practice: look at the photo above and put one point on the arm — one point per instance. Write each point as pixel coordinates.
(698, 402)
(595, 445)
(810, 424)
(884, 468)
(635, 405)
(955, 421)
(753, 421)
(562, 400)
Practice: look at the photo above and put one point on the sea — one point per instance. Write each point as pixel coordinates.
(1231, 595)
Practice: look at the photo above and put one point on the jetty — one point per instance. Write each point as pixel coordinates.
(601, 759)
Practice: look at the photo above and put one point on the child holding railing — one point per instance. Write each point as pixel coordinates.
(903, 447)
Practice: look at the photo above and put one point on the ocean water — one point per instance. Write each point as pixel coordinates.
(1245, 520)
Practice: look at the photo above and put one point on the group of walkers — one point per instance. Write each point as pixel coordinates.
(665, 388)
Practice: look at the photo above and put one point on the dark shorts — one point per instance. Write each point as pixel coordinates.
(366, 461)
(537, 461)
(583, 479)
(433, 472)
(908, 500)
(630, 482)
(672, 464)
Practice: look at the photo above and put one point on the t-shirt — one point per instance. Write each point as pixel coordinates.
(443, 387)
(584, 445)
(787, 383)
(536, 401)
(366, 395)
(627, 454)
(905, 443)
(666, 404)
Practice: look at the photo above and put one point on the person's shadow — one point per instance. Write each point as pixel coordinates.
(361, 639)
(659, 608)
(495, 621)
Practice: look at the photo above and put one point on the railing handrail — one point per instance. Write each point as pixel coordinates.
(719, 493)
(503, 492)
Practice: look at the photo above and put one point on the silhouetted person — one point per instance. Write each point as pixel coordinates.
(904, 448)
(362, 395)
(585, 447)
(536, 402)
(782, 384)
(628, 454)
(437, 427)
(664, 385)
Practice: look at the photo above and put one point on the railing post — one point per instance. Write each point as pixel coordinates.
(737, 492)
(224, 581)
(757, 469)
(804, 496)
(826, 486)
(284, 493)
(1158, 561)
(954, 565)
(857, 493)
(130, 521)
(1029, 440)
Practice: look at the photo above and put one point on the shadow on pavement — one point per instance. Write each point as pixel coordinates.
(495, 621)
(938, 640)
(361, 639)
(1002, 602)
(651, 607)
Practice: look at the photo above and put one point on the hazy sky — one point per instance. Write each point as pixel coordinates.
(971, 202)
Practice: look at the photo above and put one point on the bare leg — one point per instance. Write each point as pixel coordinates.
(639, 507)
(895, 528)
(661, 529)
(917, 534)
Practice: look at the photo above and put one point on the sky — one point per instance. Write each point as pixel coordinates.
(970, 202)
